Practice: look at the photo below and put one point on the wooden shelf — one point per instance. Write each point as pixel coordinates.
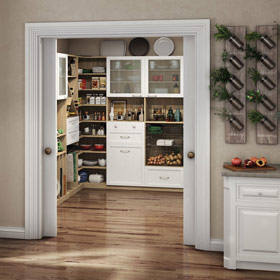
(61, 135)
(92, 136)
(91, 89)
(69, 193)
(92, 105)
(91, 167)
(72, 77)
(92, 74)
(61, 153)
(163, 122)
(91, 57)
(91, 152)
(92, 121)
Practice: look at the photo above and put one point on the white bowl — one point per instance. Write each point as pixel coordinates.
(102, 162)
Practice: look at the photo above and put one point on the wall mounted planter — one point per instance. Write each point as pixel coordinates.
(237, 63)
(267, 41)
(267, 132)
(235, 130)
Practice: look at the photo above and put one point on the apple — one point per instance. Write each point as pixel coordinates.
(254, 159)
(248, 163)
(236, 161)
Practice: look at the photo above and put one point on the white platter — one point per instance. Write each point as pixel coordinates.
(164, 46)
(112, 48)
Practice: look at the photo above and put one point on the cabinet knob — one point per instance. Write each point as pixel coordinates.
(191, 155)
(48, 151)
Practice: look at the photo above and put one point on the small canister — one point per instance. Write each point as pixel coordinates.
(95, 82)
(92, 100)
(102, 83)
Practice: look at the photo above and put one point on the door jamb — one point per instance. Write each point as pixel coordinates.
(34, 32)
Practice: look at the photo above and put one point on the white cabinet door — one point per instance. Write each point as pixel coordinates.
(164, 76)
(258, 233)
(62, 76)
(125, 166)
(125, 77)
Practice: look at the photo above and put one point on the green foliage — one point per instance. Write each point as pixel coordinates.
(225, 56)
(221, 93)
(223, 33)
(254, 96)
(252, 52)
(255, 75)
(224, 114)
(253, 36)
(219, 75)
(255, 117)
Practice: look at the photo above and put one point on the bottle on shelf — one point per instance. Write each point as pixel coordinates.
(111, 115)
(103, 118)
(93, 130)
(141, 116)
(92, 99)
(176, 88)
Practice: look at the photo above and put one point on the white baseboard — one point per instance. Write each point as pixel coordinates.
(217, 245)
(12, 232)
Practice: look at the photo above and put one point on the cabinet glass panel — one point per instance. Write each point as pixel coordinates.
(62, 77)
(164, 76)
(125, 76)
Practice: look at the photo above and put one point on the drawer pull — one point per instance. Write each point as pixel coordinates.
(163, 178)
(125, 137)
(134, 126)
(125, 151)
(115, 126)
(260, 193)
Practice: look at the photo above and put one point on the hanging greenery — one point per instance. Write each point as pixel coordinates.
(219, 75)
(254, 96)
(224, 114)
(255, 117)
(223, 33)
(255, 75)
(252, 36)
(252, 53)
(221, 93)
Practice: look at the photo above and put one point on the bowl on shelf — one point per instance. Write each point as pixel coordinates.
(98, 147)
(89, 162)
(85, 146)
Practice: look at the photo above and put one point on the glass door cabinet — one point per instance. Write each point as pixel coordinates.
(125, 77)
(62, 82)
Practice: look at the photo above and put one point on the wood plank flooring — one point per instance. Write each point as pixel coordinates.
(117, 235)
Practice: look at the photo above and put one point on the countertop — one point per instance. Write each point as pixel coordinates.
(258, 174)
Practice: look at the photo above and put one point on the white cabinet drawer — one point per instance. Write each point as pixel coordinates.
(125, 166)
(164, 177)
(260, 192)
(126, 137)
(125, 126)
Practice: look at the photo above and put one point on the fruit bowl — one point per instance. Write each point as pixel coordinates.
(99, 147)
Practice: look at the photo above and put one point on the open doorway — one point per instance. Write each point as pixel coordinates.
(196, 54)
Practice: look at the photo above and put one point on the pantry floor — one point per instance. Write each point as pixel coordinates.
(117, 234)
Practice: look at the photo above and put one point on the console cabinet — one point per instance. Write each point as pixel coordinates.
(252, 223)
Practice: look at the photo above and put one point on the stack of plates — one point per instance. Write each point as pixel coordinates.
(112, 48)
(98, 69)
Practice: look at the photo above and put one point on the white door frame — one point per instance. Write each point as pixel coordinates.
(198, 30)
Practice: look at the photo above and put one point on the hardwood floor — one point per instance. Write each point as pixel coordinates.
(115, 234)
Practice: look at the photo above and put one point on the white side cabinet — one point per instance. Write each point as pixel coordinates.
(62, 76)
(125, 153)
(252, 223)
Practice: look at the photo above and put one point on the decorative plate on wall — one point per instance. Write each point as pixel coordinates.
(139, 46)
(164, 46)
(113, 48)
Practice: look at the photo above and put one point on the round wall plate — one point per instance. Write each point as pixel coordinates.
(164, 46)
(139, 46)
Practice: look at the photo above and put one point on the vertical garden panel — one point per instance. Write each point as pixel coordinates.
(265, 136)
(233, 135)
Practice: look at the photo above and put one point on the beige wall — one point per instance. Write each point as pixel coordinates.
(13, 15)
